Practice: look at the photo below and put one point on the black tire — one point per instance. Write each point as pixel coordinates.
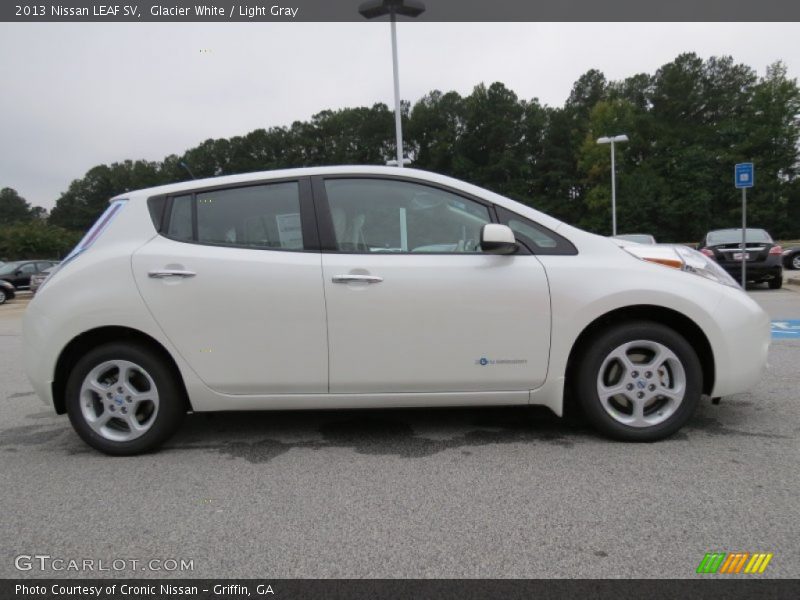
(592, 359)
(172, 401)
(3, 296)
(776, 283)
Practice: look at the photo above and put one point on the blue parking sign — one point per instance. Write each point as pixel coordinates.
(745, 176)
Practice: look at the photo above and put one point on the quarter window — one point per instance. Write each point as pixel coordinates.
(379, 215)
(538, 239)
(180, 220)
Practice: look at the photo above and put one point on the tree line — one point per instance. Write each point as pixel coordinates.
(688, 124)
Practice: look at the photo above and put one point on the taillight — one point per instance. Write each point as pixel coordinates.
(776, 250)
(707, 252)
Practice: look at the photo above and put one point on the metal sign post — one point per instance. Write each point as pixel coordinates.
(743, 178)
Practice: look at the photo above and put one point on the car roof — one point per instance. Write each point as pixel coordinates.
(257, 176)
(737, 229)
(354, 170)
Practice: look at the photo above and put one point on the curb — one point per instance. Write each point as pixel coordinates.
(793, 281)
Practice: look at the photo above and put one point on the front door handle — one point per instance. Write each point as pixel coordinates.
(356, 279)
(164, 273)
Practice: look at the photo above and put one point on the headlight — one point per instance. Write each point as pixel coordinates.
(683, 258)
(700, 264)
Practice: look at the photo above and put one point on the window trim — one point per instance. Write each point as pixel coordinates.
(308, 224)
(327, 235)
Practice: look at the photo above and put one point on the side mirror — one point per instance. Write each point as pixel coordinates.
(498, 239)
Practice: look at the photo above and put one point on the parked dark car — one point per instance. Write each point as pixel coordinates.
(37, 279)
(18, 273)
(7, 292)
(791, 258)
(763, 256)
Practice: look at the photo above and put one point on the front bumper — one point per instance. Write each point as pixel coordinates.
(741, 346)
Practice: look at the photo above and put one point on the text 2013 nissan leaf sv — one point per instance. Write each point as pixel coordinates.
(346, 287)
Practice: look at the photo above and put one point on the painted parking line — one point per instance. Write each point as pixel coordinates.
(786, 329)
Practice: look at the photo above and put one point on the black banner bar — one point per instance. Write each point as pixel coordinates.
(732, 588)
(436, 11)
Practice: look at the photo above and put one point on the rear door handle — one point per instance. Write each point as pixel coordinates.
(356, 279)
(164, 273)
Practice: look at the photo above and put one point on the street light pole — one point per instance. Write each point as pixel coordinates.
(612, 141)
(398, 123)
(409, 8)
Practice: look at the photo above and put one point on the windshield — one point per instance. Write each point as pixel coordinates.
(8, 268)
(732, 236)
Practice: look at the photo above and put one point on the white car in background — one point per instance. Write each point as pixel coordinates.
(346, 287)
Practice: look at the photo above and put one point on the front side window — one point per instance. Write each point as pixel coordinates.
(260, 216)
(379, 215)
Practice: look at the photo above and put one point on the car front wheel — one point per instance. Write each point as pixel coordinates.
(640, 381)
(122, 399)
(3, 296)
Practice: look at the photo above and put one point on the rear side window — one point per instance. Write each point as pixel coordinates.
(260, 216)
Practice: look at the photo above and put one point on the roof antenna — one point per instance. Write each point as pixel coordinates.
(188, 170)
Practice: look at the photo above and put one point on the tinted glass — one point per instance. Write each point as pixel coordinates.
(264, 216)
(378, 215)
(8, 268)
(536, 238)
(28, 268)
(180, 220)
(156, 207)
(731, 236)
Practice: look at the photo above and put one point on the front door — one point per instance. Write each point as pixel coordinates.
(414, 305)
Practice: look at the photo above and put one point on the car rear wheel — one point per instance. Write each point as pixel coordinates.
(775, 283)
(639, 382)
(795, 262)
(123, 400)
(3, 296)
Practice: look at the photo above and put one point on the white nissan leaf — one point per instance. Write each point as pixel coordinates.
(369, 287)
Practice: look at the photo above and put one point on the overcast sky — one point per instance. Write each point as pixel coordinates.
(81, 94)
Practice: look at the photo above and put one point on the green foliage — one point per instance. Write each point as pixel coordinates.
(688, 124)
(35, 239)
(15, 209)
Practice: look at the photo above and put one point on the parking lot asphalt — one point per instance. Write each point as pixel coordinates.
(458, 493)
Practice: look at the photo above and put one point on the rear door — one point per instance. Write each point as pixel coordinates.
(235, 282)
(414, 305)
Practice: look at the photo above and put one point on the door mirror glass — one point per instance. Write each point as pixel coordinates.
(498, 239)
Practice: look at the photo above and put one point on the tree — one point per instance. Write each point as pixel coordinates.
(35, 239)
(88, 197)
(688, 124)
(15, 209)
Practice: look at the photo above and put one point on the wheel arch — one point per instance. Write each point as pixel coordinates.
(92, 338)
(658, 314)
